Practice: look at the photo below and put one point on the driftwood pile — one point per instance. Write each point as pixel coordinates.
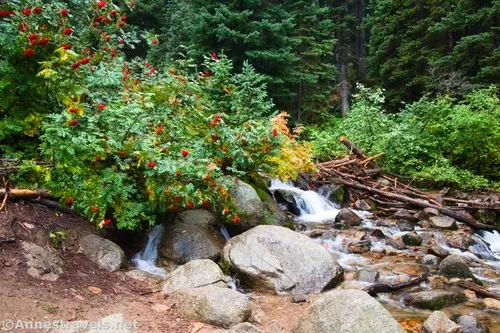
(364, 179)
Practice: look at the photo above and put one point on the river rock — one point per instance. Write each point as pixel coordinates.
(492, 303)
(443, 222)
(368, 276)
(361, 246)
(184, 242)
(346, 311)
(248, 204)
(276, 259)
(412, 239)
(404, 215)
(42, 264)
(286, 200)
(455, 267)
(434, 299)
(362, 205)
(347, 218)
(431, 211)
(143, 276)
(396, 242)
(438, 251)
(405, 226)
(274, 214)
(213, 305)
(194, 274)
(103, 252)
(469, 324)
(438, 322)
(430, 259)
(198, 216)
(459, 240)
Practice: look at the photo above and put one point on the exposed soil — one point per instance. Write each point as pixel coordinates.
(23, 297)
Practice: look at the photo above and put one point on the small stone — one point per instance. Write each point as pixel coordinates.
(396, 242)
(347, 218)
(438, 322)
(362, 205)
(438, 251)
(360, 246)
(405, 226)
(299, 299)
(492, 303)
(80, 297)
(368, 276)
(431, 211)
(469, 324)
(422, 216)
(430, 259)
(95, 290)
(443, 222)
(412, 239)
(470, 294)
(438, 282)
(404, 215)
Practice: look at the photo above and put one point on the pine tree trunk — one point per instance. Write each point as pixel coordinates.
(361, 40)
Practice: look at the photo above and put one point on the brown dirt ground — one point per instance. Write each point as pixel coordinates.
(23, 297)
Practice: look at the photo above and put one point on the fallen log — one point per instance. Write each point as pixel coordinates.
(359, 154)
(374, 289)
(478, 289)
(419, 203)
(24, 193)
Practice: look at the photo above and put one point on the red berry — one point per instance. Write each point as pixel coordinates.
(122, 153)
(73, 109)
(123, 18)
(38, 10)
(178, 173)
(98, 158)
(159, 129)
(69, 201)
(94, 210)
(121, 41)
(27, 12)
(190, 204)
(226, 211)
(275, 132)
(29, 53)
(121, 24)
(132, 4)
(73, 122)
(151, 164)
(101, 106)
(214, 56)
(43, 41)
(215, 137)
(113, 12)
(108, 20)
(33, 36)
(206, 203)
(64, 12)
(67, 31)
(236, 219)
(101, 4)
(23, 27)
(185, 153)
(66, 46)
(106, 222)
(155, 41)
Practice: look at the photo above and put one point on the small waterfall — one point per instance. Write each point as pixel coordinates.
(145, 260)
(487, 245)
(312, 206)
(224, 232)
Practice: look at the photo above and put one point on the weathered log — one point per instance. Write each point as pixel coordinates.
(25, 193)
(478, 289)
(419, 203)
(374, 289)
(369, 159)
(359, 154)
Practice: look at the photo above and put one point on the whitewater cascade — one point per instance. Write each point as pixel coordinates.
(145, 260)
(313, 207)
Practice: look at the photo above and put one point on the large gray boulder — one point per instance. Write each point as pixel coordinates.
(194, 274)
(347, 311)
(42, 264)
(198, 216)
(248, 204)
(183, 242)
(470, 324)
(276, 259)
(455, 267)
(434, 299)
(443, 222)
(438, 322)
(103, 252)
(213, 305)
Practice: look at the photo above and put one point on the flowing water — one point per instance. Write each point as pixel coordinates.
(146, 259)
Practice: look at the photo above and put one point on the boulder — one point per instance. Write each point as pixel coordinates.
(346, 311)
(184, 242)
(276, 259)
(362, 205)
(198, 216)
(405, 226)
(396, 242)
(286, 201)
(274, 214)
(430, 259)
(434, 299)
(42, 264)
(443, 222)
(248, 204)
(404, 215)
(455, 267)
(103, 252)
(412, 239)
(347, 218)
(438, 251)
(361, 246)
(469, 324)
(213, 305)
(368, 276)
(459, 240)
(194, 274)
(431, 211)
(438, 322)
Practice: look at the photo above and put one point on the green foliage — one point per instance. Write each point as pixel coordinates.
(441, 141)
